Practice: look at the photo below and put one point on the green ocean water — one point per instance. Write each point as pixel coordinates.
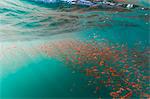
(29, 74)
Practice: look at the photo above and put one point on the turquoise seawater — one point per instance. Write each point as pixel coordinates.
(26, 72)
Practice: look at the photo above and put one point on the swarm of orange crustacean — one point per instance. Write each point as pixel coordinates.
(123, 70)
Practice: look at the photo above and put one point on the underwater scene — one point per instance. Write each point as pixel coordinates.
(74, 49)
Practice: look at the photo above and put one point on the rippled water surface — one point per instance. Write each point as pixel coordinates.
(26, 25)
